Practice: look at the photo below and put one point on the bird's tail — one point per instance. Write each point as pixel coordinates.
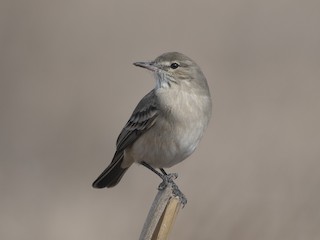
(112, 174)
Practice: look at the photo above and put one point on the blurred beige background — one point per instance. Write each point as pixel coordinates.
(67, 87)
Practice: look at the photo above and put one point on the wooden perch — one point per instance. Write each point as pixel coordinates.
(162, 213)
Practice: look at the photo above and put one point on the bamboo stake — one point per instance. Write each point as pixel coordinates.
(162, 213)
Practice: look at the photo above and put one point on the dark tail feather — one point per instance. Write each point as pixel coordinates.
(112, 174)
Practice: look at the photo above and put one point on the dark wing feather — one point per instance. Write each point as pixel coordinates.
(142, 119)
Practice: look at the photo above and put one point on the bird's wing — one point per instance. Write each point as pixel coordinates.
(143, 118)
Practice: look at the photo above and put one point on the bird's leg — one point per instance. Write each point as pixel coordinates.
(166, 179)
(152, 169)
(163, 171)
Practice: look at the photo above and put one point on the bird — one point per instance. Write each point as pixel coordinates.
(167, 124)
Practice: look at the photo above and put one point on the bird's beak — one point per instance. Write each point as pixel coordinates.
(148, 65)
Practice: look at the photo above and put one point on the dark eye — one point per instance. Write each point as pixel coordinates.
(174, 65)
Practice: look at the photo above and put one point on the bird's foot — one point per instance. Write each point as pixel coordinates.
(177, 193)
(168, 180)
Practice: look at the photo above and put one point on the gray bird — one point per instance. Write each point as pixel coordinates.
(167, 124)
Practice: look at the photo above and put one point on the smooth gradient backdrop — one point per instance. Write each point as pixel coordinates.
(68, 86)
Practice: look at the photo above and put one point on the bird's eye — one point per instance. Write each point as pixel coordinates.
(174, 65)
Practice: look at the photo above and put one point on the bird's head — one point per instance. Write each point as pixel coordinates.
(174, 68)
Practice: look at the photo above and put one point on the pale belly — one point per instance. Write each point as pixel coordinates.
(170, 142)
(164, 146)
